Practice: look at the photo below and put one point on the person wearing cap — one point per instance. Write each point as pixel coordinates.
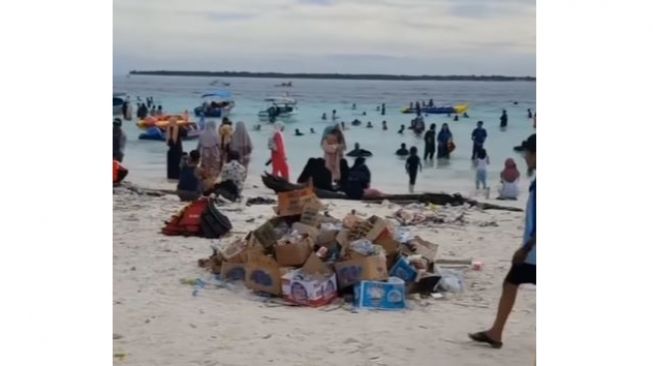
(478, 137)
(119, 140)
(523, 269)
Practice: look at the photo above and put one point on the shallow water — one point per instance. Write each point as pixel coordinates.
(146, 159)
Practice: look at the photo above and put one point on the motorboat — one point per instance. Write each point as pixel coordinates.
(119, 99)
(455, 109)
(280, 107)
(216, 104)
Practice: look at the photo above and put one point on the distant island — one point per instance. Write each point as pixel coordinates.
(280, 75)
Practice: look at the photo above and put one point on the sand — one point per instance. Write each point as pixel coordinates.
(158, 321)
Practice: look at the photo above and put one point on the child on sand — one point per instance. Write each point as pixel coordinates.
(412, 163)
(482, 161)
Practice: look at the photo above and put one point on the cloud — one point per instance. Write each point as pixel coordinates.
(389, 36)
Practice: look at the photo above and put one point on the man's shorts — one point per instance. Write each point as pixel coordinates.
(521, 273)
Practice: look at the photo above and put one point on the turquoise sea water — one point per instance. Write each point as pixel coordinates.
(146, 159)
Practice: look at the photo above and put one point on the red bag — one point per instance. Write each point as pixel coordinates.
(189, 221)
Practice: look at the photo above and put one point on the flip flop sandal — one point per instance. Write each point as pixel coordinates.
(482, 337)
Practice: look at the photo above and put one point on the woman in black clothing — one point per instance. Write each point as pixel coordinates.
(429, 143)
(316, 170)
(174, 134)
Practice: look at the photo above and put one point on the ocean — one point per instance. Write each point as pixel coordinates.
(146, 159)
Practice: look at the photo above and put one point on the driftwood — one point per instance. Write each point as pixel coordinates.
(280, 185)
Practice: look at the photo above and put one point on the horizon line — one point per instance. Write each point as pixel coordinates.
(350, 76)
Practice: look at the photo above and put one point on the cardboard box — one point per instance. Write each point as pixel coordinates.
(378, 227)
(352, 271)
(425, 248)
(387, 241)
(233, 271)
(310, 213)
(311, 231)
(350, 221)
(327, 238)
(402, 269)
(292, 202)
(234, 252)
(293, 254)
(389, 295)
(311, 291)
(266, 234)
(343, 238)
(315, 265)
(264, 274)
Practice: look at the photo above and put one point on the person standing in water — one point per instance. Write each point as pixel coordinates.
(333, 114)
(383, 109)
(401, 130)
(277, 147)
(482, 161)
(242, 144)
(384, 126)
(324, 116)
(412, 164)
(429, 143)
(524, 260)
(504, 119)
(208, 147)
(478, 137)
(530, 113)
(174, 135)
(119, 140)
(445, 142)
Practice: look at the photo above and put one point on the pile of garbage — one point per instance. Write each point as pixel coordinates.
(309, 258)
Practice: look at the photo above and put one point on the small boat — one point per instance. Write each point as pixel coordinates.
(284, 85)
(281, 107)
(456, 109)
(156, 133)
(118, 100)
(217, 104)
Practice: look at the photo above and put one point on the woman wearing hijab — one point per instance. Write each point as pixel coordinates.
(334, 147)
(242, 144)
(174, 135)
(209, 148)
(445, 138)
(509, 189)
(277, 147)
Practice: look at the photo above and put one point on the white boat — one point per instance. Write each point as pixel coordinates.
(217, 104)
(280, 107)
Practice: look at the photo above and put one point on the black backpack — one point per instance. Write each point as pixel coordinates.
(214, 224)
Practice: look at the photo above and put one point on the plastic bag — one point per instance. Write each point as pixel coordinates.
(451, 281)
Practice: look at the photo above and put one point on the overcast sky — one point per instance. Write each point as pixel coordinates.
(347, 36)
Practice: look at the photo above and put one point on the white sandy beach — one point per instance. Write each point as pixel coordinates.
(158, 321)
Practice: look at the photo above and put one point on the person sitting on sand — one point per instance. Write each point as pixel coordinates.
(523, 269)
(369, 124)
(119, 172)
(356, 122)
(316, 172)
(189, 187)
(402, 129)
(509, 189)
(359, 180)
(402, 150)
(357, 151)
(234, 170)
(298, 132)
(384, 126)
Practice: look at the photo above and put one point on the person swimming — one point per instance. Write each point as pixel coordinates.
(298, 132)
(402, 150)
(465, 115)
(402, 129)
(369, 124)
(385, 126)
(357, 152)
(364, 113)
(257, 127)
(356, 122)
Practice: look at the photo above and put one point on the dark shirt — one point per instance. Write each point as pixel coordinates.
(479, 135)
(402, 152)
(358, 180)
(413, 163)
(429, 137)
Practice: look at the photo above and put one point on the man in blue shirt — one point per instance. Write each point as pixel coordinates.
(478, 136)
(523, 268)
